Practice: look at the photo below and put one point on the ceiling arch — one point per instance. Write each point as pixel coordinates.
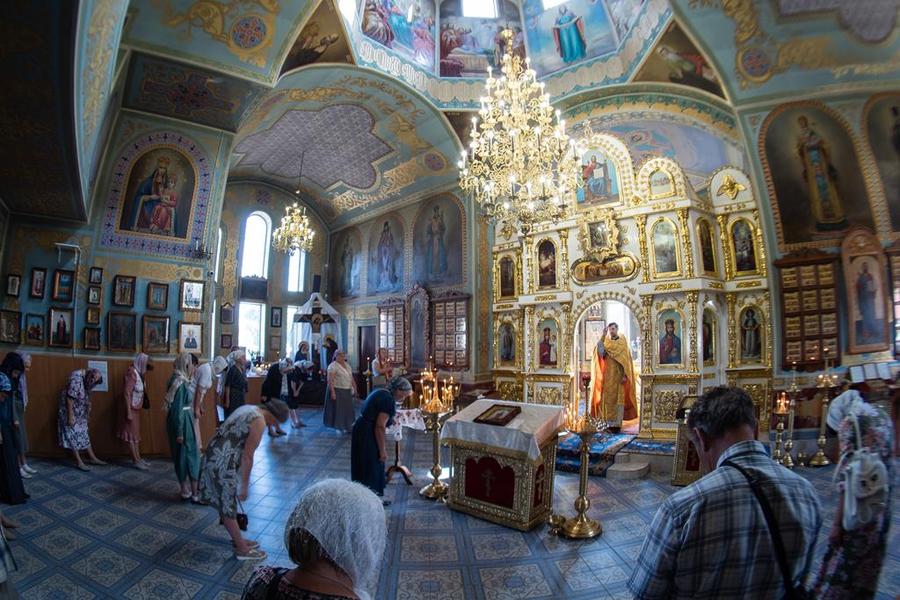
(365, 140)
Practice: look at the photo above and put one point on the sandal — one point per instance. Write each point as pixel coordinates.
(250, 544)
(185, 498)
(82, 467)
(197, 500)
(97, 462)
(251, 554)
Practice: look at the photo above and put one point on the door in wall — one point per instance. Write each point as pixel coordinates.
(367, 337)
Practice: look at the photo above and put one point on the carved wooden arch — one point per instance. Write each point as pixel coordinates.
(664, 164)
(619, 153)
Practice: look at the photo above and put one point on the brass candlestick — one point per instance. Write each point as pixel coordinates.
(437, 399)
(827, 383)
(793, 394)
(779, 432)
(436, 490)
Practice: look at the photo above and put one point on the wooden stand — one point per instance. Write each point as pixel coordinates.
(397, 467)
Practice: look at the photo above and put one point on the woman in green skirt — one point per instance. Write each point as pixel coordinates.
(180, 428)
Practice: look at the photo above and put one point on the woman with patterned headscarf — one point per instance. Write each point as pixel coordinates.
(11, 489)
(180, 427)
(74, 413)
(129, 430)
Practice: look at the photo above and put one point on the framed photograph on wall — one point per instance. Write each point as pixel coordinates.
(225, 341)
(123, 290)
(13, 283)
(91, 338)
(34, 329)
(38, 283)
(157, 296)
(275, 317)
(121, 332)
(156, 335)
(190, 337)
(60, 326)
(93, 315)
(226, 314)
(275, 343)
(96, 276)
(10, 326)
(93, 296)
(63, 285)
(191, 295)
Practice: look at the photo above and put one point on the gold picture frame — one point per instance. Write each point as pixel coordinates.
(664, 314)
(669, 192)
(736, 270)
(676, 250)
(553, 325)
(760, 317)
(540, 282)
(712, 246)
(686, 468)
(512, 321)
(599, 235)
(500, 284)
(709, 358)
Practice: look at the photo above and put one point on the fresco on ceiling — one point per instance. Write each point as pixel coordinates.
(676, 59)
(386, 242)
(882, 123)
(109, 118)
(624, 13)
(814, 177)
(470, 45)
(174, 90)
(461, 122)
(347, 258)
(698, 151)
(322, 40)
(438, 243)
(574, 31)
(600, 180)
(872, 24)
(406, 26)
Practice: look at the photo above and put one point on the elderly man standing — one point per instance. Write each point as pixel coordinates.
(745, 530)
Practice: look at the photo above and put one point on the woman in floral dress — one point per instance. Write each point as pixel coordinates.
(74, 413)
(227, 463)
(853, 559)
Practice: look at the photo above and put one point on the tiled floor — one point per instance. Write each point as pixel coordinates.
(121, 533)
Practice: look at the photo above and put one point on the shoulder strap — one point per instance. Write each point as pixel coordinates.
(272, 592)
(771, 522)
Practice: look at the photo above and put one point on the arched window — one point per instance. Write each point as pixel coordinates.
(297, 271)
(255, 246)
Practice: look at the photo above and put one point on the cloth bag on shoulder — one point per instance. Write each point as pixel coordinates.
(866, 485)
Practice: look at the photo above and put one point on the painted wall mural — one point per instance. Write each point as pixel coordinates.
(675, 59)
(814, 177)
(881, 121)
(406, 26)
(347, 258)
(574, 31)
(624, 14)
(601, 180)
(322, 40)
(469, 45)
(386, 242)
(438, 236)
(159, 195)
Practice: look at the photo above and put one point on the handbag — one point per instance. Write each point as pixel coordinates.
(791, 592)
(866, 485)
(241, 517)
(146, 404)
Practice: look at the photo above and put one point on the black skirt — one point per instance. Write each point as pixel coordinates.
(12, 490)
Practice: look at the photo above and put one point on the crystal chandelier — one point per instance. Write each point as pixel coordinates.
(520, 166)
(294, 233)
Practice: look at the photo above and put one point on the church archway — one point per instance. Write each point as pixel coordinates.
(588, 331)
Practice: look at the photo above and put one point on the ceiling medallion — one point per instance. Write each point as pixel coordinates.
(521, 166)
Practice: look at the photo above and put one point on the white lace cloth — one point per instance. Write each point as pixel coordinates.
(411, 417)
(524, 434)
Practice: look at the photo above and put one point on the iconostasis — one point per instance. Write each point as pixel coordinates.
(683, 276)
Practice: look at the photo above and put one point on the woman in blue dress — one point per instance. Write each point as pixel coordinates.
(367, 449)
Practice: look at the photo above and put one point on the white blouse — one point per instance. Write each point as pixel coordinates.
(341, 377)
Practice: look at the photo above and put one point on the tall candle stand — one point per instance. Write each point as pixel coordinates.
(781, 410)
(793, 393)
(585, 427)
(437, 403)
(827, 383)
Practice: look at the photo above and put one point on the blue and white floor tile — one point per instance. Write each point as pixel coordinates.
(121, 533)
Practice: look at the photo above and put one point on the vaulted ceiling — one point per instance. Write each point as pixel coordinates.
(312, 80)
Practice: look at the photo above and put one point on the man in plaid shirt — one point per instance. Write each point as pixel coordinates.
(711, 540)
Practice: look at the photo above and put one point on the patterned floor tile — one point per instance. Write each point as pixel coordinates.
(27, 564)
(105, 566)
(200, 557)
(431, 584)
(578, 575)
(159, 585)
(625, 529)
(646, 497)
(428, 548)
(135, 504)
(57, 587)
(224, 595)
(103, 491)
(102, 521)
(509, 583)
(66, 506)
(40, 487)
(61, 542)
(73, 478)
(147, 539)
(495, 546)
(182, 516)
(427, 520)
(28, 519)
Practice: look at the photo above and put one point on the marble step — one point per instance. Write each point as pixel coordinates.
(628, 470)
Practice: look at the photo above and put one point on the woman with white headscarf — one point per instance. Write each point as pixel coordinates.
(129, 429)
(859, 532)
(180, 427)
(235, 384)
(336, 537)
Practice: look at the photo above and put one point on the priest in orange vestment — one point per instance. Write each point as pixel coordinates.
(612, 379)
